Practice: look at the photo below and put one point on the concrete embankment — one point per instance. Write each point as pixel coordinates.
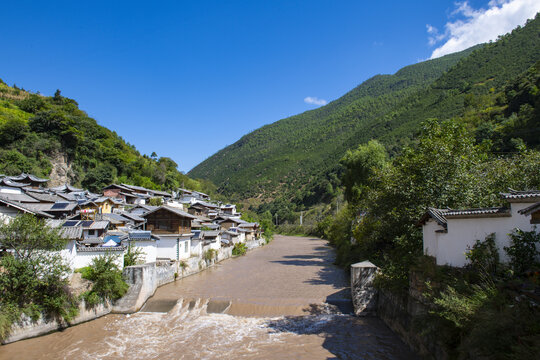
(399, 312)
(143, 281)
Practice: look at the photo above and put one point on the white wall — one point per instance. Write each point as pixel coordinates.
(148, 248)
(167, 248)
(196, 247)
(450, 248)
(84, 258)
(7, 213)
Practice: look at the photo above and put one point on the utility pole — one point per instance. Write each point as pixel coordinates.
(277, 222)
(301, 217)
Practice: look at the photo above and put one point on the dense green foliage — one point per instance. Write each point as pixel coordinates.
(107, 281)
(33, 279)
(35, 129)
(298, 158)
(487, 309)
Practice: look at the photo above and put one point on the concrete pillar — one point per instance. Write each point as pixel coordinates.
(364, 295)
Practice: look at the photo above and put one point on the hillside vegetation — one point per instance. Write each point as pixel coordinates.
(298, 157)
(34, 129)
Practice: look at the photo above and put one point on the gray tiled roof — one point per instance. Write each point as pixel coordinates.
(518, 195)
(26, 177)
(43, 196)
(23, 208)
(23, 198)
(209, 234)
(441, 215)
(531, 209)
(100, 248)
(7, 182)
(66, 188)
(171, 209)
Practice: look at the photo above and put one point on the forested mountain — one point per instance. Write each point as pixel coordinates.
(298, 157)
(52, 137)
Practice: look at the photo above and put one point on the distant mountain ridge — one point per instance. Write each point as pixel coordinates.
(297, 157)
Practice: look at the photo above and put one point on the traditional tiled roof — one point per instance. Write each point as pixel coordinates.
(23, 208)
(43, 196)
(171, 209)
(117, 186)
(531, 209)
(23, 198)
(521, 195)
(66, 188)
(132, 217)
(205, 204)
(209, 234)
(115, 218)
(100, 248)
(441, 215)
(27, 177)
(9, 183)
(97, 225)
(233, 219)
(248, 225)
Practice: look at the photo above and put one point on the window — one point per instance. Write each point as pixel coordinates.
(186, 246)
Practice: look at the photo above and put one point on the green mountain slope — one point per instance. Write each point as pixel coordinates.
(39, 134)
(297, 157)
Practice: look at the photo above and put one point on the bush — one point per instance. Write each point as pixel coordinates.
(522, 250)
(210, 254)
(133, 256)
(107, 280)
(484, 256)
(239, 249)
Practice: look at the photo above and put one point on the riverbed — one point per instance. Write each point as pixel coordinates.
(285, 300)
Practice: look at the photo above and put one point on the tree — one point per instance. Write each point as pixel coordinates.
(58, 99)
(359, 166)
(33, 279)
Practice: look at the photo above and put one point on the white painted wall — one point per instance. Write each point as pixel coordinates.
(195, 247)
(148, 248)
(85, 258)
(167, 248)
(450, 248)
(7, 213)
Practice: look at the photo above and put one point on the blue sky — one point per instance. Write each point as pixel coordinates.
(187, 78)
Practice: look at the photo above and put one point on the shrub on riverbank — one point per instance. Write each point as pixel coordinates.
(107, 281)
(239, 249)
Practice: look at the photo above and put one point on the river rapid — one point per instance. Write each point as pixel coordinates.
(283, 301)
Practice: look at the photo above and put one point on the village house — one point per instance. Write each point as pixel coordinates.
(10, 209)
(173, 228)
(228, 222)
(448, 233)
(202, 208)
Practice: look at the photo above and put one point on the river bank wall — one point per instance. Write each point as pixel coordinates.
(400, 312)
(143, 280)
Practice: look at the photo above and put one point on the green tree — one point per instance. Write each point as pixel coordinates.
(33, 279)
(359, 166)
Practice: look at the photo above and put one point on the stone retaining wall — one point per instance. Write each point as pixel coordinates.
(399, 313)
(27, 328)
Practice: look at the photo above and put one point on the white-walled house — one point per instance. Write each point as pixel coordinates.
(448, 234)
(145, 241)
(174, 246)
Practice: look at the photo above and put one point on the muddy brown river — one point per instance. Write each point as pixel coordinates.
(285, 300)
